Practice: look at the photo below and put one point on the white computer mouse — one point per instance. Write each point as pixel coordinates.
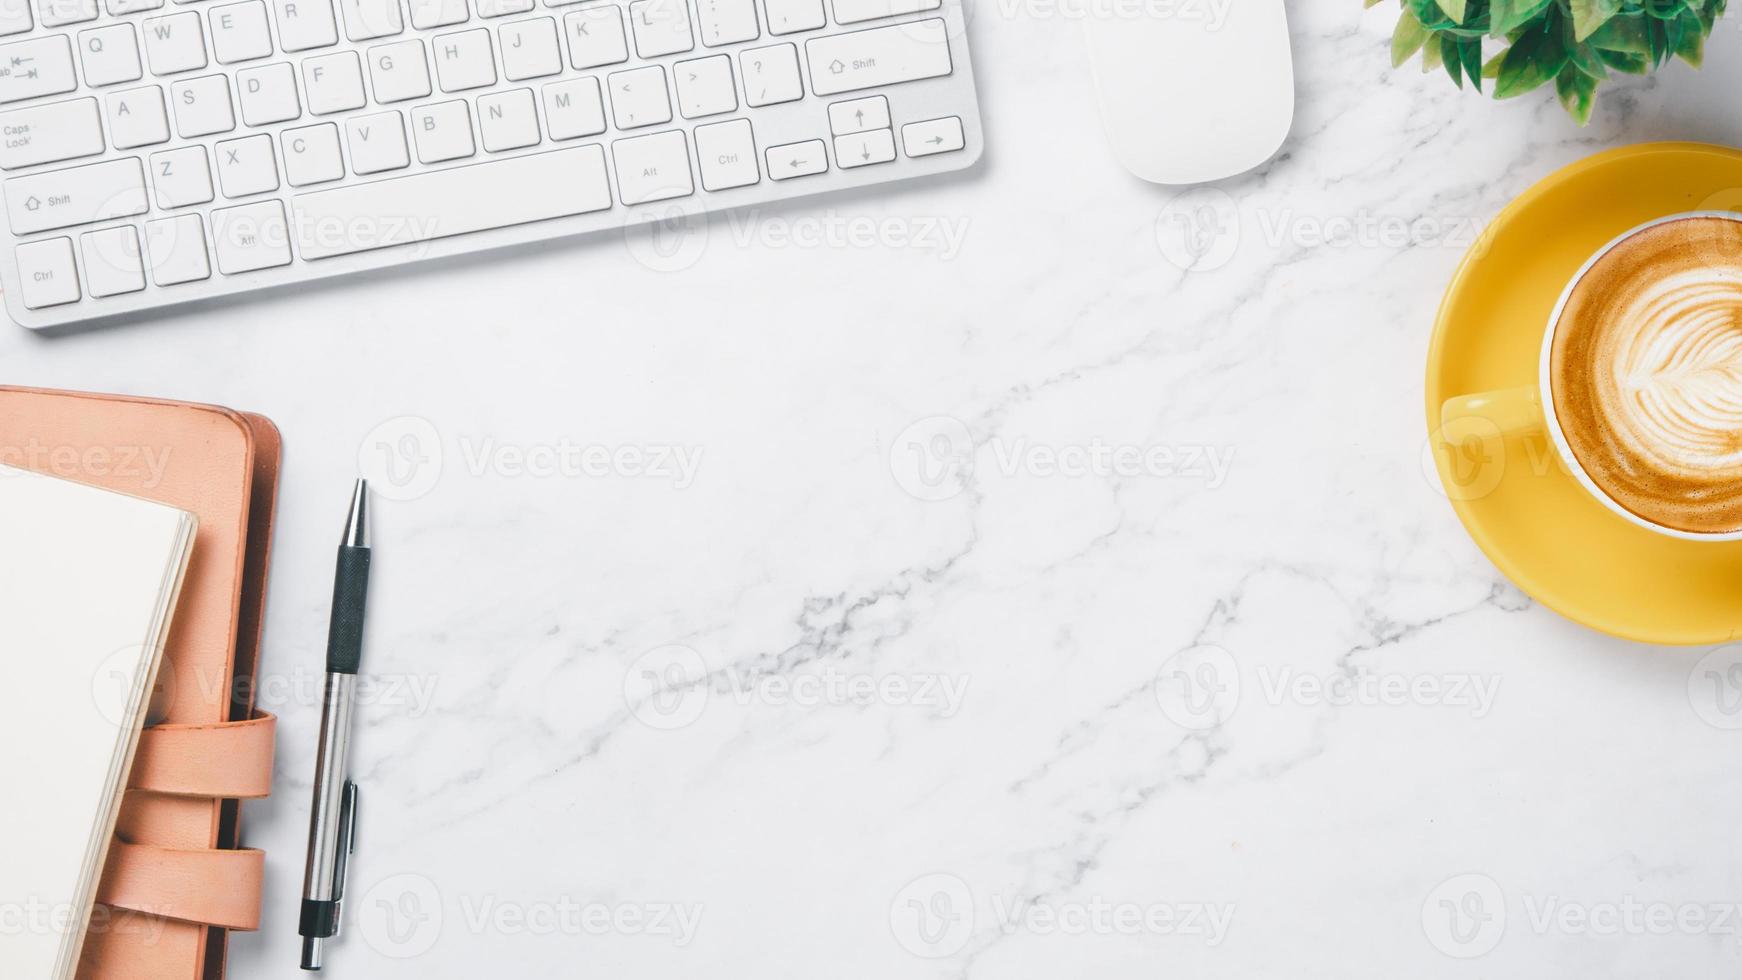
(1192, 90)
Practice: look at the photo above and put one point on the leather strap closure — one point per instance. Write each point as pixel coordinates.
(215, 888)
(227, 760)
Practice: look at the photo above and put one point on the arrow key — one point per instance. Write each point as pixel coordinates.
(790, 160)
(864, 149)
(922, 139)
(859, 115)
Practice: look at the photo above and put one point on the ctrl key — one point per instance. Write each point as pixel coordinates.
(47, 275)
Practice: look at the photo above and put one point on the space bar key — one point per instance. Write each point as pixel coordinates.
(442, 203)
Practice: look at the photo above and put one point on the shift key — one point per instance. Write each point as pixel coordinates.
(878, 57)
(76, 196)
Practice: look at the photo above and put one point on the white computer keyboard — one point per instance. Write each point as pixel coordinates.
(160, 152)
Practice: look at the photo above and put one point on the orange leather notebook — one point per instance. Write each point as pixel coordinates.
(176, 880)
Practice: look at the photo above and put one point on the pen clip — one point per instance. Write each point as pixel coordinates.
(347, 847)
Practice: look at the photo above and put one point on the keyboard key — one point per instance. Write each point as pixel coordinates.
(181, 177)
(137, 117)
(426, 14)
(793, 16)
(443, 131)
(508, 120)
(595, 37)
(40, 66)
(113, 265)
(878, 57)
(305, 24)
(239, 32)
(790, 160)
(502, 8)
(174, 43)
(247, 166)
(46, 273)
(75, 196)
(653, 168)
(251, 237)
(48, 133)
(456, 201)
(176, 248)
(572, 109)
(463, 60)
(15, 17)
(110, 54)
(398, 71)
(334, 83)
(639, 98)
(931, 136)
(704, 87)
(770, 75)
(366, 20)
(661, 27)
(864, 149)
(377, 143)
(202, 106)
(311, 155)
(727, 153)
(60, 13)
(859, 115)
(268, 94)
(529, 49)
(854, 11)
(727, 21)
(119, 8)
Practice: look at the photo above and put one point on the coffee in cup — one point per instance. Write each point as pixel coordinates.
(1640, 380)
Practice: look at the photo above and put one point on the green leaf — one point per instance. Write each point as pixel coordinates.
(1534, 60)
(1455, 9)
(1588, 15)
(1507, 16)
(1626, 34)
(1578, 93)
(1432, 56)
(1584, 58)
(1692, 46)
(1632, 64)
(1453, 60)
(1491, 67)
(1659, 38)
(1407, 39)
(1470, 53)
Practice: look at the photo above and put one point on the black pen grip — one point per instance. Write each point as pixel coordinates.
(350, 595)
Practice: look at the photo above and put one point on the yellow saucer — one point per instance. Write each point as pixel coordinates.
(1526, 512)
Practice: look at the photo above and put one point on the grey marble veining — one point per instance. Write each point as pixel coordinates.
(998, 578)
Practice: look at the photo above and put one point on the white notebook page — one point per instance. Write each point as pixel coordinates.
(88, 581)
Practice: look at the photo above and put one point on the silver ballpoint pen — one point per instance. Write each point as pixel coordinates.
(332, 829)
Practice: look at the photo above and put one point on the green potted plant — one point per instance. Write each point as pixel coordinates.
(1575, 44)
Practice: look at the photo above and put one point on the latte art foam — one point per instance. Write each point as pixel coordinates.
(1646, 371)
